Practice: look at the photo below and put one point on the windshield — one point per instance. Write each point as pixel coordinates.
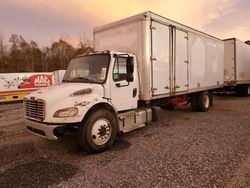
(88, 69)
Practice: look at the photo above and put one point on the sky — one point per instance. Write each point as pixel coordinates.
(45, 21)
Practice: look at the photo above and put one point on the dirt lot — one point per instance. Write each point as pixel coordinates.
(182, 149)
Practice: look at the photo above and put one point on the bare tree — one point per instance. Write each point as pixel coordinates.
(26, 56)
(3, 55)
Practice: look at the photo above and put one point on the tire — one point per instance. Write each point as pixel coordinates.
(242, 91)
(154, 114)
(98, 132)
(194, 100)
(204, 101)
(211, 99)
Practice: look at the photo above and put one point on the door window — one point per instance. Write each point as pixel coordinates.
(120, 69)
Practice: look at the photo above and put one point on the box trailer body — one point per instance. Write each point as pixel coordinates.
(140, 62)
(173, 59)
(237, 65)
(58, 76)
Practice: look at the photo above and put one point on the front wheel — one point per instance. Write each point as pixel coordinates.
(98, 132)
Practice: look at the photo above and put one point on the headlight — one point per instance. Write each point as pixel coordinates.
(66, 112)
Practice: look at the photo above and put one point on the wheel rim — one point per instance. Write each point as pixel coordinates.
(206, 101)
(101, 131)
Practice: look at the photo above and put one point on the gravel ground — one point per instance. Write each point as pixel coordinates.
(182, 149)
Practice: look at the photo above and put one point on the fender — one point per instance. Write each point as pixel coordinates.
(104, 105)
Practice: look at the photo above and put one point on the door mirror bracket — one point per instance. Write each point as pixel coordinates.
(130, 77)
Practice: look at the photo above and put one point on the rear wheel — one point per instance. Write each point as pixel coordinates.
(204, 101)
(154, 114)
(243, 90)
(99, 131)
(194, 104)
(201, 101)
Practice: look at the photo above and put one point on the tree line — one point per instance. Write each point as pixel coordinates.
(23, 56)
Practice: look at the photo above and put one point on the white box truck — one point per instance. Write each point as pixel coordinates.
(140, 62)
(237, 66)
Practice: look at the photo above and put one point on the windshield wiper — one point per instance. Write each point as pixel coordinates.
(82, 78)
(65, 81)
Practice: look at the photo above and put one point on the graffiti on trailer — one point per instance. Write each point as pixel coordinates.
(42, 81)
(11, 83)
(25, 81)
(37, 81)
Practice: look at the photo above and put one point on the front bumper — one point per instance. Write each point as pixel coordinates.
(42, 129)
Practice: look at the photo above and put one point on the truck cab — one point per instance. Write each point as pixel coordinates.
(96, 89)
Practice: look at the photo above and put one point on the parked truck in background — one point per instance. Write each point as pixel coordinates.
(140, 62)
(237, 66)
(14, 86)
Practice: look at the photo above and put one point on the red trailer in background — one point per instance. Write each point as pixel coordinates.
(37, 81)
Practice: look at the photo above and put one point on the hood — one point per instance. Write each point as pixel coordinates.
(64, 90)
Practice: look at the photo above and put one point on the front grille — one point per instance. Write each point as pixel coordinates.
(34, 109)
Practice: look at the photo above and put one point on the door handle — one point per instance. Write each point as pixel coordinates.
(177, 87)
(134, 92)
(119, 85)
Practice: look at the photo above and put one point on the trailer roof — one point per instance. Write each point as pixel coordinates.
(229, 39)
(153, 16)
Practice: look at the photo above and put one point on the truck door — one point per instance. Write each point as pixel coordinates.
(160, 58)
(229, 60)
(180, 61)
(124, 84)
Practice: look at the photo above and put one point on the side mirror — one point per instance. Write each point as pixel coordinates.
(130, 65)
